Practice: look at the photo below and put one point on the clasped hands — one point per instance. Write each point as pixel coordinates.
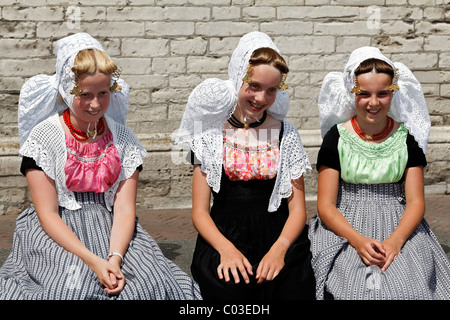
(109, 274)
(374, 252)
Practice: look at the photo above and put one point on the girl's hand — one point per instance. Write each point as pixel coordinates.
(392, 250)
(109, 274)
(272, 263)
(118, 281)
(232, 260)
(371, 251)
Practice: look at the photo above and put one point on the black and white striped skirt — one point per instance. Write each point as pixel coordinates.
(420, 271)
(38, 268)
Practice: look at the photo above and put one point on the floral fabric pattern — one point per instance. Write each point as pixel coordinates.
(251, 163)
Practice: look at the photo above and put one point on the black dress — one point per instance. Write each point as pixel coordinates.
(240, 212)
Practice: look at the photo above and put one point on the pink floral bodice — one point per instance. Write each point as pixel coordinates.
(93, 167)
(248, 163)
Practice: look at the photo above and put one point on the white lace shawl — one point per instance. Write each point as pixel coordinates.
(46, 145)
(294, 161)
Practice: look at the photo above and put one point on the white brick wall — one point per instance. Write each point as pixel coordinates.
(167, 47)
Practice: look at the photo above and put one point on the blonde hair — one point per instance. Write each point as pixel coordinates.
(91, 61)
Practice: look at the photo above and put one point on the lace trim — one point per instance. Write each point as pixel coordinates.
(375, 150)
(244, 148)
(294, 163)
(85, 159)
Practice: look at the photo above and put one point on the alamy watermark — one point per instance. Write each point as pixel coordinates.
(181, 153)
(73, 17)
(373, 22)
(73, 280)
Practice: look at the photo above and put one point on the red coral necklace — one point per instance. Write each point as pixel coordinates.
(377, 136)
(83, 135)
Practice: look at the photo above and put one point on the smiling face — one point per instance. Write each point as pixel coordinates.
(373, 102)
(259, 94)
(92, 103)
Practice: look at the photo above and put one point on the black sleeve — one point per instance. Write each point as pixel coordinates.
(28, 163)
(192, 158)
(416, 157)
(328, 153)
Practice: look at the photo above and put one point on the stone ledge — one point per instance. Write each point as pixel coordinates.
(9, 146)
(309, 137)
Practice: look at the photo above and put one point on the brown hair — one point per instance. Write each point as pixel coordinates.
(379, 66)
(268, 56)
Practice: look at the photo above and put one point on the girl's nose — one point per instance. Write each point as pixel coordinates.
(260, 96)
(373, 101)
(94, 103)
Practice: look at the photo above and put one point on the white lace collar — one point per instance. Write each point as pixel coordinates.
(46, 145)
(294, 161)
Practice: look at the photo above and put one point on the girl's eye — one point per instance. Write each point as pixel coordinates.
(273, 90)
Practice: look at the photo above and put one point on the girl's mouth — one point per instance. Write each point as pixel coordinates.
(373, 112)
(255, 107)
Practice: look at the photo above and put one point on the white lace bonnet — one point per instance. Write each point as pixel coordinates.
(39, 95)
(337, 103)
(213, 101)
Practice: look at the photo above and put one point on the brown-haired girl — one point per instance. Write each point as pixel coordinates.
(252, 242)
(370, 240)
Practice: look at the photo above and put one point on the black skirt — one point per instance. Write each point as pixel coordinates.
(240, 212)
